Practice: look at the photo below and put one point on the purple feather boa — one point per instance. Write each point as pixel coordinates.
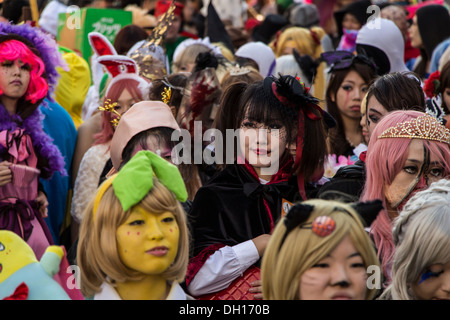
(42, 143)
(47, 47)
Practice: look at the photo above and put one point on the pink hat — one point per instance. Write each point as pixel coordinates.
(141, 116)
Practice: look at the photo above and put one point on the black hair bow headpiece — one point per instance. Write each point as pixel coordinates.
(341, 59)
(306, 64)
(290, 91)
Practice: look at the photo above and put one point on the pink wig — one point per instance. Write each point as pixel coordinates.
(13, 50)
(385, 159)
(130, 84)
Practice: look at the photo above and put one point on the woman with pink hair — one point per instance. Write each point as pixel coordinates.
(28, 61)
(408, 150)
(125, 89)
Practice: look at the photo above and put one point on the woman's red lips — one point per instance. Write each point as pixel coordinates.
(260, 151)
(158, 251)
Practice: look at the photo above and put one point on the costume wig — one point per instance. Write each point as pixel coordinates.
(306, 42)
(385, 159)
(13, 50)
(42, 44)
(292, 249)
(421, 237)
(40, 51)
(97, 251)
(114, 92)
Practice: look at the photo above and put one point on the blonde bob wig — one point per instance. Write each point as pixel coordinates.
(97, 252)
(282, 267)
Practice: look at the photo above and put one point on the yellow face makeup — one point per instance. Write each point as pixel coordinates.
(147, 241)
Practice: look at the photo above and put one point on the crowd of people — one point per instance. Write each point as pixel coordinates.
(230, 150)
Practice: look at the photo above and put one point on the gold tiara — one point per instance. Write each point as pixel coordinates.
(423, 127)
(238, 70)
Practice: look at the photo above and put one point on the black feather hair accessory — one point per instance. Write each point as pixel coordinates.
(205, 60)
(290, 91)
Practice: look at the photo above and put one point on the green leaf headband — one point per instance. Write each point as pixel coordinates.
(135, 180)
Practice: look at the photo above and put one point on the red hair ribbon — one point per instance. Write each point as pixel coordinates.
(301, 128)
(315, 37)
(277, 37)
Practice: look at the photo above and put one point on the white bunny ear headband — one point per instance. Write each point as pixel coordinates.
(100, 44)
(121, 67)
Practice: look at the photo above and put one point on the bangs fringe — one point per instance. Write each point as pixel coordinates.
(13, 50)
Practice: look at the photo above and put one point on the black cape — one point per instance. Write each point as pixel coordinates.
(234, 206)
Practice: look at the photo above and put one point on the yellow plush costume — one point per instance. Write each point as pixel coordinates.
(73, 85)
(22, 276)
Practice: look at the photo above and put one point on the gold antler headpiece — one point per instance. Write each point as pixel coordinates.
(110, 107)
(423, 127)
(150, 56)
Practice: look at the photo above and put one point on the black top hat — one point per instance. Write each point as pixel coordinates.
(269, 27)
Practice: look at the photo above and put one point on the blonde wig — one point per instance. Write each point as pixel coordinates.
(97, 252)
(422, 238)
(306, 42)
(188, 56)
(284, 263)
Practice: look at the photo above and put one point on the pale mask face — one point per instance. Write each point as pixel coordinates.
(339, 276)
(148, 242)
(418, 172)
(434, 283)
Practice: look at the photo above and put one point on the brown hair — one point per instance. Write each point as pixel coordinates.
(177, 82)
(127, 37)
(338, 141)
(445, 83)
(398, 91)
